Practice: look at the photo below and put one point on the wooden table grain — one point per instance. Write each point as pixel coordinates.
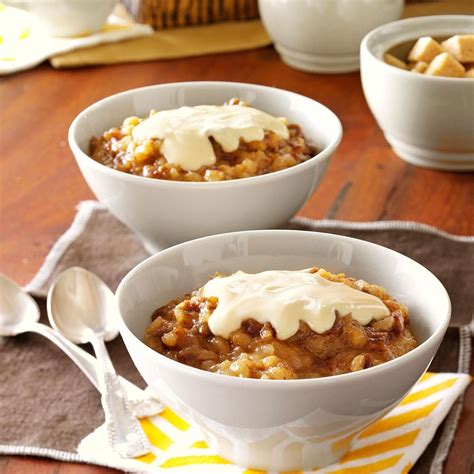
(40, 185)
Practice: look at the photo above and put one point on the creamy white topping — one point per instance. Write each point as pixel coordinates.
(185, 131)
(283, 299)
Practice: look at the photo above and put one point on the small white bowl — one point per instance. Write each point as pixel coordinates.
(68, 18)
(324, 36)
(428, 121)
(281, 425)
(164, 212)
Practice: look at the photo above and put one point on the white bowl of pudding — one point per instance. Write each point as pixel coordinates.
(323, 36)
(281, 425)
(164, 212)
(428, 120)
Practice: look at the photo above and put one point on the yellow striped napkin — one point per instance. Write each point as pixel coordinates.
(390, 445)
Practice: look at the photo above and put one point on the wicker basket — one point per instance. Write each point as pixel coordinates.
(162, 14)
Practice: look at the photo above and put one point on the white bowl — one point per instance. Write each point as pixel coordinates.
(281, 425)
(163, 212)
(68, 18)
(428, 121)
(324, 35)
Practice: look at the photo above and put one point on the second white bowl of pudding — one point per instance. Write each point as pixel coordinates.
(263, 193)
(341, 377)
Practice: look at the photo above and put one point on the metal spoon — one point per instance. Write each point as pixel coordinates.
(83, 308)
(19, 313)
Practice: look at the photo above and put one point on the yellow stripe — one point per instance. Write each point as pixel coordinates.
(407, 468)
(113, 27)
(396, 421)
(25, 33)
(147, 458)
(200, 445)
(82, 34)
(254, 471)
(170, 416)
(343, 444)
(427, 376)
(369, 468)
(292, 472)
(381, 447)
(414, 397)
(189, 460)
(155, 435)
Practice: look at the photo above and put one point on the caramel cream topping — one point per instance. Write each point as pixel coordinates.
(185, 131)
(283, 299)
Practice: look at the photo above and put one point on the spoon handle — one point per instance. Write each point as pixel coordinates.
(125, 433)
(142, 404)
(82, 359)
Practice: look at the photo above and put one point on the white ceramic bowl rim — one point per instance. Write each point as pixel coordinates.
(322, 155)
(282, 384)
(420, 19)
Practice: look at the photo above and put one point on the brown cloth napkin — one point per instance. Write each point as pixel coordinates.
(210, 39)
(47, 406)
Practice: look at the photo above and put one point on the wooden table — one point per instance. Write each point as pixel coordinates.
(40, 185)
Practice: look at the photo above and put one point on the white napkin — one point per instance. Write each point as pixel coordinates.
(389, 446)
(24, 44)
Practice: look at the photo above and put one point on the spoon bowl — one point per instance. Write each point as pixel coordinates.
(18, 309)
(80, 302)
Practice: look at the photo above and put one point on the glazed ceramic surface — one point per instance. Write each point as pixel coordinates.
(281, 424)
(324, 35)
(163, 212)
(68, 18)
(429, 121)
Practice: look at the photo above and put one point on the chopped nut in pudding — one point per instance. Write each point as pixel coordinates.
(282, 325)
(452, 57)
(203, 143)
